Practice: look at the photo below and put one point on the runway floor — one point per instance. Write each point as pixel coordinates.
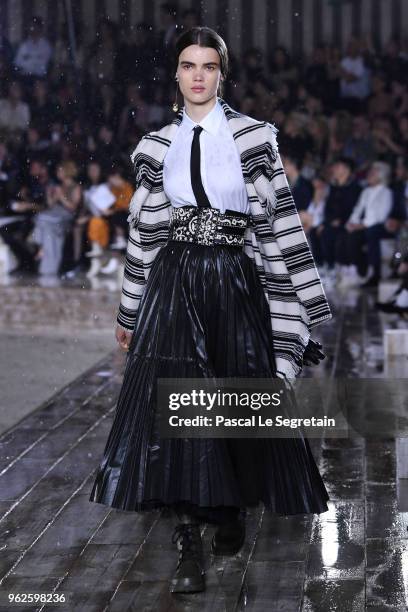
(53, 540)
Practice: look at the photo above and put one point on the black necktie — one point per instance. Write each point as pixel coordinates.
(196, 182)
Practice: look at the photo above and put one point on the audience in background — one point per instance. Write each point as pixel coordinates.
(312, 218)
(67, 129)
(51, 225)
(302, 189)
(343, 195)
(34, 53)
(355, 80)
(366, 224)
(14, 114)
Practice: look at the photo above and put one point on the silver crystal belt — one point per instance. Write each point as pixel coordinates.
(207, 226)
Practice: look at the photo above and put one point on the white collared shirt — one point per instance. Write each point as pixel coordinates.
(373, 206)
(221, 171)
(316, 210)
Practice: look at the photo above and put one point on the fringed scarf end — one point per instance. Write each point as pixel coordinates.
(271, 202)
(272, 147)
(133, 217)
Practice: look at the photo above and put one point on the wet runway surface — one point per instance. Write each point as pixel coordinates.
(53, 540)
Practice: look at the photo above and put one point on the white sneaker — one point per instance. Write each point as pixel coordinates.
(329, 279)
(96, 250)
(350, 276)
(402, 299)
(95, 268)
(355, 278)
(343, 276)
(120, 243)
(111, 266)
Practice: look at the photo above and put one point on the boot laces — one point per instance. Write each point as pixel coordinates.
(187, 537)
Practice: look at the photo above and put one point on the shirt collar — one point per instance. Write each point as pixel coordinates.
(211, 122)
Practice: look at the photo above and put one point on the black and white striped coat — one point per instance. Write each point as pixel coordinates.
(274, 239)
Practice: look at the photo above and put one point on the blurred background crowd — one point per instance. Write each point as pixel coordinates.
(71, 114)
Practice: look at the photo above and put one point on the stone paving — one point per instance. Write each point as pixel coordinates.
(53, 540)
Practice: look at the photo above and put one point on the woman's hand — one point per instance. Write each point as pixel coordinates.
(22, 206)
(123, 336)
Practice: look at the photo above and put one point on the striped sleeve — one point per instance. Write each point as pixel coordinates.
(133, 278)
(293, 244)
(133, 281)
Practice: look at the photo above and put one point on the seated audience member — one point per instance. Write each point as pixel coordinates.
(360, 144)
(117, 215)
(6, 49)
(398, 303)
(8, 175)
(123, 192)
(106, 148)
(42, 107)
(97, 199)
(301, 188)
(399, 211)
(355, 77)
(30, 200)
(343, 195)
(34, 145)
(135, 113)
(89, 224)
(79, 225)
(51, 225)
(366, 224)
(312, 217)
(14, 113)
(34, 53)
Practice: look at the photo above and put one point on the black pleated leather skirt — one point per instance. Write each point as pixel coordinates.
(203, 313)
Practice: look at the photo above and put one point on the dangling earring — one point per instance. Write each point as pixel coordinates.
(175, 104)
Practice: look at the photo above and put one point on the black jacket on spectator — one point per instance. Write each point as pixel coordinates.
(296, 146)
(399, 208)
(302, 191)
(341, 201)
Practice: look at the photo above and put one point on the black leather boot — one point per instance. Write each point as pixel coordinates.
(189, 576)
(229, 537)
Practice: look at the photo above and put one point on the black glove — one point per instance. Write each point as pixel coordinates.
(313, 354)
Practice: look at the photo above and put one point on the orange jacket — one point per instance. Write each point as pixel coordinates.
(123, 196)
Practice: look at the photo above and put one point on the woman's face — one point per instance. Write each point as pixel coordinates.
(94, 172)
(40, 89)
(61, 174)
(373, 175)
(199, 73)
(320, 187)
(279, 57)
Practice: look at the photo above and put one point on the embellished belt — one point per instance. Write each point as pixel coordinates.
(207, 226)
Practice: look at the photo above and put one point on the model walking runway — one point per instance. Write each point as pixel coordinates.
(219, 282)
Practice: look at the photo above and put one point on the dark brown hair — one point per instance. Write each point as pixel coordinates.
(204, 37)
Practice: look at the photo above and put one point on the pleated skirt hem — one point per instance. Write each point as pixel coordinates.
(203, 313)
